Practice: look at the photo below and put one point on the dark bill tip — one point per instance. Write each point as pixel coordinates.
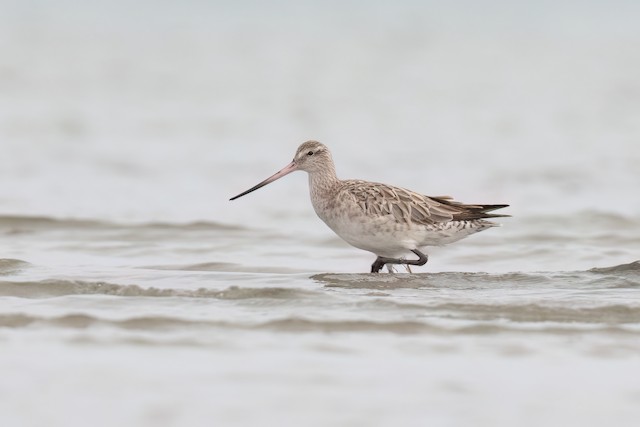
(285, 171)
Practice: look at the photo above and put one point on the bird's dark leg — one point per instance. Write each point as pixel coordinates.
(381, 261)
(378, 264)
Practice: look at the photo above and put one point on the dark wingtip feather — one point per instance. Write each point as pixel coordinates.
(488, 208)
(471, 212)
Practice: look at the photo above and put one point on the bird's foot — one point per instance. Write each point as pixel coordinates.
(377, 265)
(381, 261)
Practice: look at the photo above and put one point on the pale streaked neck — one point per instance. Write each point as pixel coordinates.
(323, 180)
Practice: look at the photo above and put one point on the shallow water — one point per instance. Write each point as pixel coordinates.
(133, 293)
(128, 315)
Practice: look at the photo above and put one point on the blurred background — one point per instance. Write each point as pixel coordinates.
(150, 110)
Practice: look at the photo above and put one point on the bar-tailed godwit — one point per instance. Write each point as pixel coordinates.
(389, 221)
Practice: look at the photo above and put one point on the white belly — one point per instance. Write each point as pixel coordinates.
(385, 236)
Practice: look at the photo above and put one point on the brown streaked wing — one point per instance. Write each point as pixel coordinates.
(410, 207)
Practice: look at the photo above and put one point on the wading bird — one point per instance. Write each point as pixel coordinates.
(389, 221)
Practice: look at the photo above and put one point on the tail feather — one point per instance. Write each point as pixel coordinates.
(488, 208)
(470, 212)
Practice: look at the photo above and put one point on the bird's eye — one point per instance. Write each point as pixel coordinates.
(310, 153)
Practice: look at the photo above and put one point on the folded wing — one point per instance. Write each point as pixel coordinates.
(410, 207)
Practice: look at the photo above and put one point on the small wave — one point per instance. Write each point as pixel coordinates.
(12, 266)
(292, 324)
(375, 281)
(633, 267)
(226, 267)
(619, 276)
(295, 325)
(82, 321)
(534, 313)
(517, 313)
(458, 280)
(22, 224)
(195, 225)
(401, 327)
(57, 288)
(17, 224)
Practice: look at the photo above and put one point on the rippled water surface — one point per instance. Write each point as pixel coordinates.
(105, 312)
(133, 293)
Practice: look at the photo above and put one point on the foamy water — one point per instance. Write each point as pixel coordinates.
(132, 292)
